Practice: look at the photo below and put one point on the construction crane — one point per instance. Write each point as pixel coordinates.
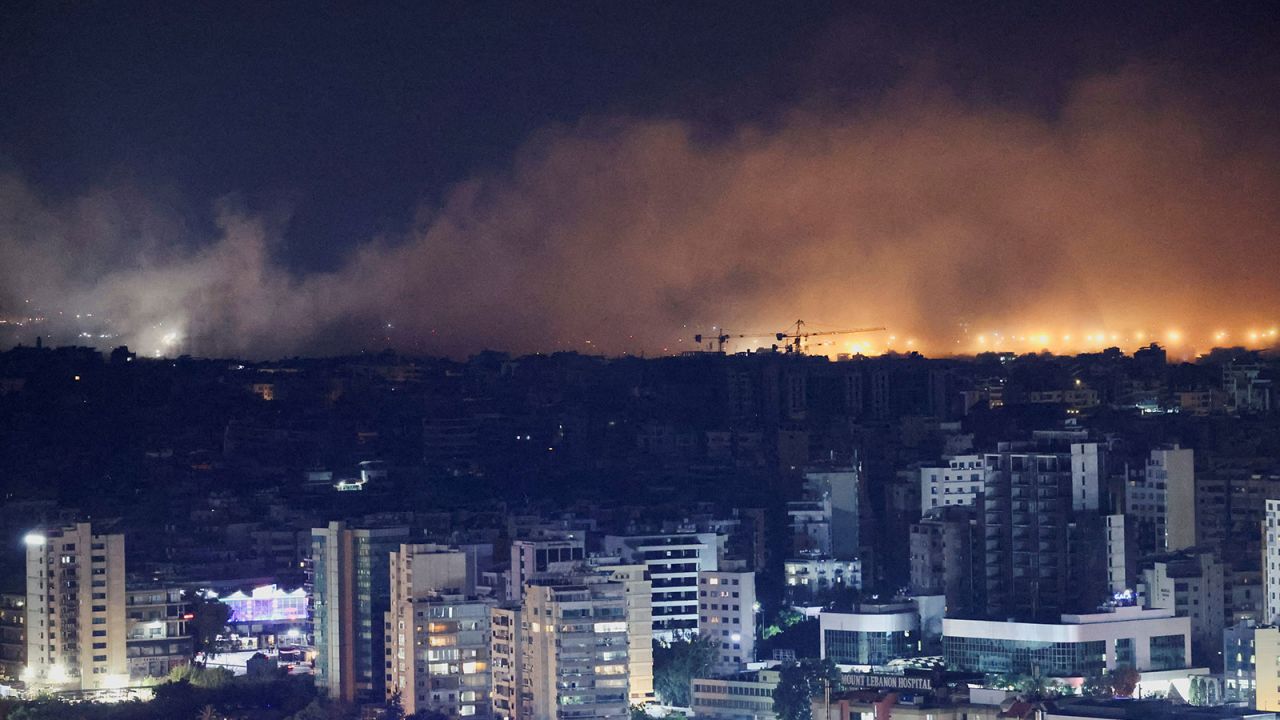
(725, 337)
(791, 341)
(795, 341)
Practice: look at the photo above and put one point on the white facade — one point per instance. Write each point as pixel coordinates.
(905, 619)
(1139, 625)
(1165, 497)
(727, 617)
(811, 575)
(1088, 467)
(639, 593)
(810, 526)
(745, 695)
(1271, 563)
(959, 483)
(673, 562)
(1117, 555)
(76, 630)
(877, 634)
(1266, 653)
(1191, 585)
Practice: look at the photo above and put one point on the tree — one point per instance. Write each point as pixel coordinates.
(209, 619)
(394, 709)
(677, 663)
(799, 682)
(1124, 681)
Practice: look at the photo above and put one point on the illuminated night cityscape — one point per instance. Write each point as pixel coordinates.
(643, 361)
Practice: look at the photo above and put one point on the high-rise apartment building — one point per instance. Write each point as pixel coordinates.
(1088, 471)
(1121, 554)
(439, 658)
(75, 609)
(575, 658)
(1162, 501)
(639, 593)
(1266, 653)
(437, 633)
(351, 595)
(1271, 564)
(726, 617)
(947, 558)
(673, 562)
(506, 662)
(1042, 557)
(13, 636)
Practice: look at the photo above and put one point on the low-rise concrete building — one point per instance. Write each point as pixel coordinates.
(740, 696)
(158, 638)
(1079, 646)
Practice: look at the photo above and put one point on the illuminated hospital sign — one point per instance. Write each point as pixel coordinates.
(887, 682)
(267, 604)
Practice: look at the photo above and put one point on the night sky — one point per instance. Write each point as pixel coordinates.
(271, 178)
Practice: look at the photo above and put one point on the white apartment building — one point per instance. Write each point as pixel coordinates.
(76, 631)
(806, 577)
(1270, 564)
(1164, 499)
(673, 561)
(727, 617)
(959, 483)
(639, 593)
(1088, 469)
(1118, 555)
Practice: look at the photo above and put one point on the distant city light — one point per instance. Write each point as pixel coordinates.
(33, 538)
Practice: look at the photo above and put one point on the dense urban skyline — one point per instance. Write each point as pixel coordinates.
(639, 361)
(1006, 179)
